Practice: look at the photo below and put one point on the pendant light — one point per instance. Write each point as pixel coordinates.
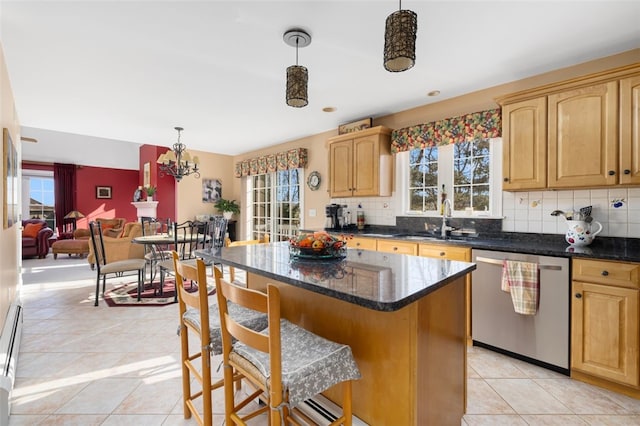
(297, 75)
(400, 40)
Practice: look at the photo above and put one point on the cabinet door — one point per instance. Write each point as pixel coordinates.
(524, 151)
(583, 137)
(366, 158)
(341, 168)
(630, 130)
(399, 247)
(604, 331)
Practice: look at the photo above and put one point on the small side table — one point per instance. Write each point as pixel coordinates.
(52, 239)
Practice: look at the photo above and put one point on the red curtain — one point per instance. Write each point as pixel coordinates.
(64, 185)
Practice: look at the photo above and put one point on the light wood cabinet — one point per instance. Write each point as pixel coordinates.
(583, 137)
(360, 164)
(524, 156)
(362, 243)
(580, 133)
(399, 247)
(630, 130)
(604, 323)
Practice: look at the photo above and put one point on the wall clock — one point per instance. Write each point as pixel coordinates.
(313, 181)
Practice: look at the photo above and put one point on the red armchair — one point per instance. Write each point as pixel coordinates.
(38, 245)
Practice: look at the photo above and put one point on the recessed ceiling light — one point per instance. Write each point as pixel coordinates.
(329, 109)
(433, 93)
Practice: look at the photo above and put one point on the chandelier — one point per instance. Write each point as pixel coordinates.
(178, 162)
(400, 40)
(297, 75)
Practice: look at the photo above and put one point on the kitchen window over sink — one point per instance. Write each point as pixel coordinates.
(470, 172)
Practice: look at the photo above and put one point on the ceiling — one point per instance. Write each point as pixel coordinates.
(132, 71)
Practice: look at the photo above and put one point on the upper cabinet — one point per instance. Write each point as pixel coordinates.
(574, 134)
(630, 130)
(360, 164)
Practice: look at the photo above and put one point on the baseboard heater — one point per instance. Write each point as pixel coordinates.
(9, 349)
(323, 412)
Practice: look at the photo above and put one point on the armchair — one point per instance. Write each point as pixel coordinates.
(121, 248)
(35, 244)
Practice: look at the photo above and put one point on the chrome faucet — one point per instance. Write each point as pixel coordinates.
(446, 212)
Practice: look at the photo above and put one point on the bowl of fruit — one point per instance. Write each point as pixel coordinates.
(317, 245)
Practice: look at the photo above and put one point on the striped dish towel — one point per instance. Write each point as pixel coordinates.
(521, 280)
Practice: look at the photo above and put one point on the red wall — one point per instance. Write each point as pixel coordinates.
(123, 184)
(166, 195)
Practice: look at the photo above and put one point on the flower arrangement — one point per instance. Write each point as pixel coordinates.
(318, 245)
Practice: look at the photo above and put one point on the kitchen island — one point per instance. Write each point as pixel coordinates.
(403, 316)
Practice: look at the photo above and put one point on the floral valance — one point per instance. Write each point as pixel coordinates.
(285, 160)
(479, 125)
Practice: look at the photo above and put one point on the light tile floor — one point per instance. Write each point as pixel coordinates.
(82, 365)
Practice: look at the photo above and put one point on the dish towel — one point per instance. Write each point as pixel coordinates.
(521, 280)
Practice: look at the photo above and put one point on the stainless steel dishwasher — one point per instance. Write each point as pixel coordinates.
(543, 338)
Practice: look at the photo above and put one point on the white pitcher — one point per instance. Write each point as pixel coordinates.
(580, 233)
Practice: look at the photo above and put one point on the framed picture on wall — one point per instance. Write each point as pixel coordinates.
(147, 174)
(103, 192)
(211, 190)
(10, 180)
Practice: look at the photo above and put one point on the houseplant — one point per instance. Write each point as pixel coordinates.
(227, 207)
(150, 190)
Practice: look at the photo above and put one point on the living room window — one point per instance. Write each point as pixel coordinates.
(274, 202)
(41, 203)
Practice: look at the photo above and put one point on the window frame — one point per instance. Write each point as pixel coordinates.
(274, 221)
(445, 176)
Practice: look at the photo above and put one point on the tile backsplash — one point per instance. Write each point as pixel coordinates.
(617, 209)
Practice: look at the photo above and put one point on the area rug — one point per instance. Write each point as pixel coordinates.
(127, 294)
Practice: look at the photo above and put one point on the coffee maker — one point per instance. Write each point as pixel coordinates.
(333, 212)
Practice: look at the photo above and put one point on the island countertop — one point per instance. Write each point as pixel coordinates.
(374, 280)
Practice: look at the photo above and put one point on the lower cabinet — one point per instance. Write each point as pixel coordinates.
(604, 322)
(362, 243)
(399, 247)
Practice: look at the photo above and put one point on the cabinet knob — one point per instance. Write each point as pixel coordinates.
(611, 173)
(506, 179)
(627, 171)
(605, 273)
(442, 253)
(395, 249)
(578, 296)
(357, 244)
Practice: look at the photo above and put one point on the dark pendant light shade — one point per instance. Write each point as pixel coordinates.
(297, 75)
(400, 40)
(297, 79)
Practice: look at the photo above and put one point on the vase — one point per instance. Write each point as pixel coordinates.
(580, 233)
(149, 197)
(227, 215)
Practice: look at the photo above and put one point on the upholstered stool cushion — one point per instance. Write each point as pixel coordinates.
(80, 247)
(310, 363)
(247, 317)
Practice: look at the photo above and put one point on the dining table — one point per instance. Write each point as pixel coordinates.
(403, 316)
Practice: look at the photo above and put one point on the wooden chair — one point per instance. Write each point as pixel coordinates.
(229, 243)
(104, 267)
(196, 314)
(286, 363)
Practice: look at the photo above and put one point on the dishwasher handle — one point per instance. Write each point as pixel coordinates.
(501, 262)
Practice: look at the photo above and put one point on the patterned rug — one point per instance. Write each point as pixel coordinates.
(127, 294)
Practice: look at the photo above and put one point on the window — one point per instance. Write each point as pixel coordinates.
(42, 199)
(275, 204)
(470, 173)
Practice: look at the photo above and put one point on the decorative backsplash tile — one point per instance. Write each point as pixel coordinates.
(617, 209)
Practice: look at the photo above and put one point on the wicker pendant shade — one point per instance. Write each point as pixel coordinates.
(400, 40)
(297, 79)
(297, 75)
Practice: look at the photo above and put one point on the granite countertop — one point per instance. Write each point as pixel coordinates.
(375, 280)
(608, 248)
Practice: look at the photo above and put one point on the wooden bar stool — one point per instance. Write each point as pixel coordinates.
(196, 314)
(287, 363)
